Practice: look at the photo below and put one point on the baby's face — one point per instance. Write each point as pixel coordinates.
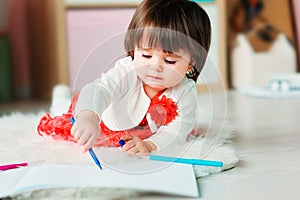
(161, 69)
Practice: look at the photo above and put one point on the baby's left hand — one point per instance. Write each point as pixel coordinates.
(135, 145)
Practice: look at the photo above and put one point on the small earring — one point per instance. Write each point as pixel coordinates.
(191, 72)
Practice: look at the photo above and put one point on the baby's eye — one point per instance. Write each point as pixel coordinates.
(146, 56)
(171, 62)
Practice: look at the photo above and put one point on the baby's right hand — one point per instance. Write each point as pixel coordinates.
(86, 128)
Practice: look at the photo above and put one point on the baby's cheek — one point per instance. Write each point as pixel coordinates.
(174, 77)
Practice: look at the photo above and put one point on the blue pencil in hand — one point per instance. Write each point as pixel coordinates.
(92, 153)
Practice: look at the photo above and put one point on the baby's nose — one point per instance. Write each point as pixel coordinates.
(157, 65)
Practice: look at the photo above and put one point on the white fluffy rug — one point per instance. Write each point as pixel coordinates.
(19, 142)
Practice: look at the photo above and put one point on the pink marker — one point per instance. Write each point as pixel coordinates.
(17, 165)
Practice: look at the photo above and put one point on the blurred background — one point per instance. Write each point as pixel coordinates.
(44, 42)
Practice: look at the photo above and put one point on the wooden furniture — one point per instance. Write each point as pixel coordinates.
(6, 90)
(295, 7)
(58, 43)
(48, 45)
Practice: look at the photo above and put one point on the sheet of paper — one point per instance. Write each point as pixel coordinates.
(176, 179)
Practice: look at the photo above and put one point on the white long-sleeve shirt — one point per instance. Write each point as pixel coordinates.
(119, 99)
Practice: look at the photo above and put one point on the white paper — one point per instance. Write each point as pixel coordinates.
(175, 179)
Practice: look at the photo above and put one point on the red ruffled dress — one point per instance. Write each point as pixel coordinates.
(162, 111)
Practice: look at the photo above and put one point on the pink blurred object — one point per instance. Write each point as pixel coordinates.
(17, 165)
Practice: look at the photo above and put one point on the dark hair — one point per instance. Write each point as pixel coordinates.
(171, 25)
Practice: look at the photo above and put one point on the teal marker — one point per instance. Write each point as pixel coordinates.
(187, 161)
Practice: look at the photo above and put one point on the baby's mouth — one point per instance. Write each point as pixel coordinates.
(155, 77)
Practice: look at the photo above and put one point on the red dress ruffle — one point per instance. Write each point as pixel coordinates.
(162, 111)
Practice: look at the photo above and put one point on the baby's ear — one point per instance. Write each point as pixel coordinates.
(193, 62)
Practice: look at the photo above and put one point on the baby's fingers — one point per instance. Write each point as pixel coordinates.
(126, 137)
(74, 129)
(138, 149)
(77, 134)
(90, 142)
(128, 145)
(83, 138)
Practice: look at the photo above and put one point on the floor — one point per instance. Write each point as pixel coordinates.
(27, 106)
(267, 143)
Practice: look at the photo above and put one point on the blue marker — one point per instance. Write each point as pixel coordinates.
(92, 153)
(121, 142)
(187, 161)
